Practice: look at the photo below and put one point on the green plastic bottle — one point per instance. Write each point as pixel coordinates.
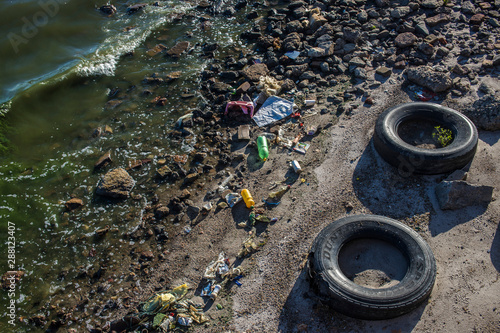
(262, 146)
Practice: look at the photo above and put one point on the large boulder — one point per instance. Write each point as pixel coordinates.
(460, 194)
(426, 77)
(485, 112)
(116, 183)
(254, 72)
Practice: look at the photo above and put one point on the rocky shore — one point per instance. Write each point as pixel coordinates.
(353, 59)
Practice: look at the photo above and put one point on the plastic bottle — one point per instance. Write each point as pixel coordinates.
(279, 192)
(262, 146)
(247, 197)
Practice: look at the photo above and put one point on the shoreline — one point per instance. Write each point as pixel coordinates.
(338, 170)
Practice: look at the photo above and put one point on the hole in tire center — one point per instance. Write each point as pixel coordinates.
(372, 263)
(419, 133)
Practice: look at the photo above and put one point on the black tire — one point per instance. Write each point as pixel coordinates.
(351, 299)
(410, 159)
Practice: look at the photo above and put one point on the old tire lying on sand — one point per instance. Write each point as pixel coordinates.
(410, 159)
(345, 296)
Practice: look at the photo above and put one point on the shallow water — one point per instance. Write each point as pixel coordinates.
(76, 75)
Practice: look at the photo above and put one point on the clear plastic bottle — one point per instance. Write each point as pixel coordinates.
(247, 197)
(263, 149)
(279, 192)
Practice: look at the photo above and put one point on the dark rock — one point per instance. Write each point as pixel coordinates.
(255, 71)
(190, 178)
(116, 183)
(229, 75)
(438, 19)
(73, 203)
(155, 50)
(460, 194)
(147, 255)
(405, 39)
(178, 49)
(383, 71)
(135, 8)
(297, 70)
(426, 77)
(292, 42)
(477, 19)
(426, 48)
(422, 29)
(294, 26)
(107, 10)
(192, 212)
(351, 35)
(221, 87)
(400, 12)
(485, 112)
(161, 212)
(432, 4)
(287, 85)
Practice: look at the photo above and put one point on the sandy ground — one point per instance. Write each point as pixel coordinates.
(344, 175)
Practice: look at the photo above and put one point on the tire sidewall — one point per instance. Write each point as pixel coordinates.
(362, 302)
(426, 161)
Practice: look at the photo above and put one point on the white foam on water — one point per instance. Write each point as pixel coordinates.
(105, 59)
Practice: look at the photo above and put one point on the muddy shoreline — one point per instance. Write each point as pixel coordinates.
(356, 59)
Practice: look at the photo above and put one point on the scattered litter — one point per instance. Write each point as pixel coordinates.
(215, 292)
(207, 207)
(187, 229)
(262, 148)
(296, 167)
(219, 267)
(311, 130)
(244, 132)
(237, 280)
(309, 102)
(301, 147)
(251, 218)
(245, 107)
(219, 306)
(222, 205)
(263, 218)
(249, 247)
(273, 109)
(184, 320)
(269, 85)
(271, 203)
(232, 199)
(293, 54)
(163, 301)
(425, 95)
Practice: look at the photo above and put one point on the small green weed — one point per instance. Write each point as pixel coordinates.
(443, 135)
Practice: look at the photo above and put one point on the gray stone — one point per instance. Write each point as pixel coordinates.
(357, 62)
(485, 112)
(116, 183)
(437, 19)
(405, 39)
(421, 28)
(468, 7)
(460, 194)
(432, 4)
(351, 35)
(400, 12)
(426, 77)
(384, 71)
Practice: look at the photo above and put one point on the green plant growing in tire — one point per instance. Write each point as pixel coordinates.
(443, 135)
